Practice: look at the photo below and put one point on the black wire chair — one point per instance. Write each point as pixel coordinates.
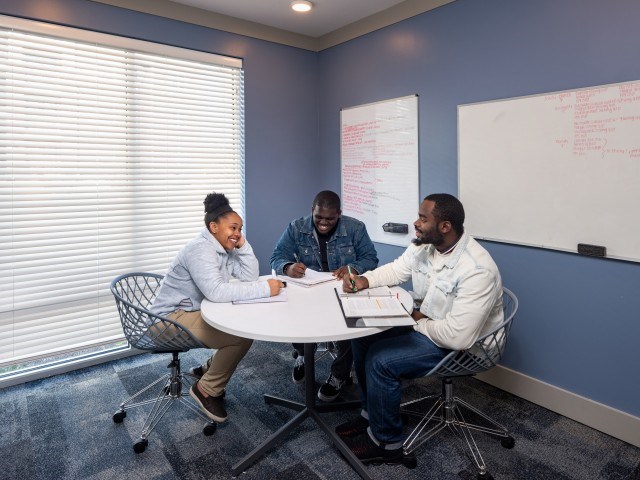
(447, 411)
(134, 293)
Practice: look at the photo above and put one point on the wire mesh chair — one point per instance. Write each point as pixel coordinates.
(447, 411)
(134, 293)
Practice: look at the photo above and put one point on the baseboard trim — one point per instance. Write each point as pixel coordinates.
(596, 415)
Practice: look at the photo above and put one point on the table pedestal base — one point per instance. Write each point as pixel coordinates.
(308, 409)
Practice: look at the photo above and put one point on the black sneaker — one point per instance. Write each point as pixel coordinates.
(197, 371)
(298, 370)
(213, 407)
(330, 389)
(353, 428)
(368, 452)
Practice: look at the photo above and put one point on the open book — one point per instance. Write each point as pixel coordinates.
(311, 277)
(376, 307)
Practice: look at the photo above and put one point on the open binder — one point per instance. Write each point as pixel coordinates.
(375, 307)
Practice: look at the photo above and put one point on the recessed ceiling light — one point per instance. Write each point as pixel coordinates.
(301, 6)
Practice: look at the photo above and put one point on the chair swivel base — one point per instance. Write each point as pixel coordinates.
(174, 388)
(447, 413)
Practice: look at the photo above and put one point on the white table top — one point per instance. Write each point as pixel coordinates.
(312, 314)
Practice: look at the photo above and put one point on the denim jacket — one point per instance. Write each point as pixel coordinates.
(349, 245)
(460, 293)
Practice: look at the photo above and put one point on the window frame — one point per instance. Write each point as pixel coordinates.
(86, 36)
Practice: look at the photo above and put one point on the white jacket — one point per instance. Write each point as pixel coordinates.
(460, 296)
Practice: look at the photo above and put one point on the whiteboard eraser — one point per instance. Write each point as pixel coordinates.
(592, 250)
(395, 227)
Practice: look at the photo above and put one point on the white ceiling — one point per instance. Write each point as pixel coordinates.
(325, 17)
(329, 23)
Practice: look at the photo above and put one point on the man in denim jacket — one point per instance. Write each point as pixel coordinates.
(329, 242)
(457, 297)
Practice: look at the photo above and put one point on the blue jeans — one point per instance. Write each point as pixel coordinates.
(382, 361)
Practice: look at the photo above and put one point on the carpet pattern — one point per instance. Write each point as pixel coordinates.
(61, 428)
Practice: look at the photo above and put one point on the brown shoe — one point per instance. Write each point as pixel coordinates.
(213, 407)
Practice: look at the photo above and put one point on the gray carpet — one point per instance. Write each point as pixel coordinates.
(62, 428)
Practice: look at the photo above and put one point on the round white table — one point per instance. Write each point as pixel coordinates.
(310, 315)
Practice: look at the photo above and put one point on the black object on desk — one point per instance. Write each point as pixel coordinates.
(395, 227)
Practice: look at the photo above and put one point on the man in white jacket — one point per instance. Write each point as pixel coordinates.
(457, 294)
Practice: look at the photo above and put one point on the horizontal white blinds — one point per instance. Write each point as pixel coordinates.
(106, 155)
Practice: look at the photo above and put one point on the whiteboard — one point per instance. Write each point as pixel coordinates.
(554, 170)
(379, 166)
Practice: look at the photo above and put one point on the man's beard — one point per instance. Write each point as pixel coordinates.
(434, 238)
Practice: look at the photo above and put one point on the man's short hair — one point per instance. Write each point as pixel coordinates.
(327, 199)
(448, 209)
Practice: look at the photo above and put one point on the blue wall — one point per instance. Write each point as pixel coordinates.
(579, 326)
(579, 323)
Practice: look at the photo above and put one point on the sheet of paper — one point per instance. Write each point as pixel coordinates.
(311, 277)
(361, 306)
(367, 292)
(281, 297)
(384, 321)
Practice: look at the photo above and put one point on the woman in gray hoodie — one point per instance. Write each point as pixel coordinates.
(203, 269)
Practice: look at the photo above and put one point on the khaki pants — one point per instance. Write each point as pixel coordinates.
(223, 363)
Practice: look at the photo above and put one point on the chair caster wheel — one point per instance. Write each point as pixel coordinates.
(209, 429)
(508, 442)
(410, 461)
(119, 416)
(140, 445)
(294, 354)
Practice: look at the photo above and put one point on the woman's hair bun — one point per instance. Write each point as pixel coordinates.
(214, 201)
(216, 205)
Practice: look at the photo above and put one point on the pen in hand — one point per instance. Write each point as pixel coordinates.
(275, 285)
(353, 282)
(275, 277)
(296, 270)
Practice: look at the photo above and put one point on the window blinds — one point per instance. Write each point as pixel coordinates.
(106, 154)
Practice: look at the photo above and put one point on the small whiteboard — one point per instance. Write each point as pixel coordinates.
(554, 170)
(379, 166)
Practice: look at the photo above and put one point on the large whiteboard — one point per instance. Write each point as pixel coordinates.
(379, 166)
(554, 170)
